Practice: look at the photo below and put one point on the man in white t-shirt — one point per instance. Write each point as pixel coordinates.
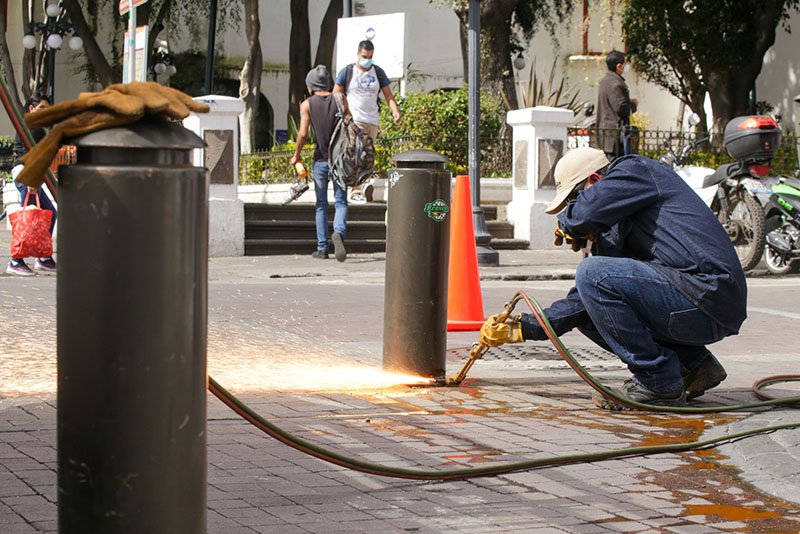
(362, 81)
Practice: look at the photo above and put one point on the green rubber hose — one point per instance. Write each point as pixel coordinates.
(357, 464)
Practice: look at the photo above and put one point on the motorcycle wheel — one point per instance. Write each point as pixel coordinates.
(744, 222)
(778, 263)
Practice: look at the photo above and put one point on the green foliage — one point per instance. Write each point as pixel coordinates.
(439, 121)
(683, 46)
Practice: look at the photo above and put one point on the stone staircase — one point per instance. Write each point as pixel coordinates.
(276, 229)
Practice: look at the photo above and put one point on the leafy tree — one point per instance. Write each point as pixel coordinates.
(92, 18)
(698, 46)
(506, 27)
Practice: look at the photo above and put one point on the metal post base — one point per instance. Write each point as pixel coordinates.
(487, 256)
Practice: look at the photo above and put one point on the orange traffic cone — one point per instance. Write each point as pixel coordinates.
(464, 301)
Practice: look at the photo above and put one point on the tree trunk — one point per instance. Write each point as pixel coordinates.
(299, 56)
(497, 70)
(327, 35)
(29, 56)
(105, 75)
(729, 89)
(250, 79)
(495, 55)
(6, 67)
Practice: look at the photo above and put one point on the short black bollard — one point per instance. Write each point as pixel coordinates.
(417, 255)
(132, 330)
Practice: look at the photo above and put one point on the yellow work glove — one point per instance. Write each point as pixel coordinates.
(117, 105)
(495, 332)
(576, 243)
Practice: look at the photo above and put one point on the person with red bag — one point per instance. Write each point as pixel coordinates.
(44, 260)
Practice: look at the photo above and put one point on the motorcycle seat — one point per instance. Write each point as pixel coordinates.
(722, 172)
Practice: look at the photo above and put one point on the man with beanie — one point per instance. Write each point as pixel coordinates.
(663, 282)
(319, 111)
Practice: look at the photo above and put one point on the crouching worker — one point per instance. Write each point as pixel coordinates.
(663, 282)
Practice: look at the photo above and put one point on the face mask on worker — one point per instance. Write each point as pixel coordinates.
(365, 62)
(626, 69)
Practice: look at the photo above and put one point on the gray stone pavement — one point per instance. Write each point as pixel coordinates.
(299, 340)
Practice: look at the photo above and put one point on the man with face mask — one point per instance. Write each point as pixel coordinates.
(362, 81)
(614, 106)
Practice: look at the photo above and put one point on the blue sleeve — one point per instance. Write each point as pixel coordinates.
(627, 188)
(341, 77)
(383, 80)
(564, 315)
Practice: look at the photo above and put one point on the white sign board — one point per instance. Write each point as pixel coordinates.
(387, 33)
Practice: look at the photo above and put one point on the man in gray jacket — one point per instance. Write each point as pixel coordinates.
(614, 106)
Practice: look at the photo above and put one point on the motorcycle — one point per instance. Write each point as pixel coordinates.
(731, 190)
(782, 213)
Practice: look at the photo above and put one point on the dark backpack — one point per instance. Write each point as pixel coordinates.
(351, 153)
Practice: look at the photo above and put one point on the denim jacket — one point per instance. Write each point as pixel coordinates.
(643, 210)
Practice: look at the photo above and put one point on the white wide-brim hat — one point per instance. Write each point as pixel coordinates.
(571, 170)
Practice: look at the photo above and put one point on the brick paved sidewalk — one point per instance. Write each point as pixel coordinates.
(262, 328)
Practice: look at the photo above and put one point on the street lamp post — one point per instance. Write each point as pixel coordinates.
(486, 254)
(52, 32)
(162, 62)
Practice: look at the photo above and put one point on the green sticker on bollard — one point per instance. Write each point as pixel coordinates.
(437, 210)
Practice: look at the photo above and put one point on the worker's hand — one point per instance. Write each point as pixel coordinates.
(576, 243)
(396, 116)
(495, 332)
(117, 105)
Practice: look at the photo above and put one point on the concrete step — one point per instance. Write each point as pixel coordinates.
(290, 229)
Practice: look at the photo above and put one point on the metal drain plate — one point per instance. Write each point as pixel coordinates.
(540, 355)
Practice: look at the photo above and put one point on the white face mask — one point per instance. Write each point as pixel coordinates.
(626, 69)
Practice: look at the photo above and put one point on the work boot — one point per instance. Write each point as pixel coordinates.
(641, 394)
(319, 255)
(709, 374)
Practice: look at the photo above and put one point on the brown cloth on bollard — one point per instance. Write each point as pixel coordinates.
(117, 105)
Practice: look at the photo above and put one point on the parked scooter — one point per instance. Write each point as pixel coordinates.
(730, 190)
(782, 213)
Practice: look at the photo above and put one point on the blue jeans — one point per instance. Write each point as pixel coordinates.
(44, 201)
(340, 196)
(643, 319)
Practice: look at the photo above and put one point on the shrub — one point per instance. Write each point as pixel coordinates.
(438, 120)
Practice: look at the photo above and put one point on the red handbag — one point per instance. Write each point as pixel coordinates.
(30, 231)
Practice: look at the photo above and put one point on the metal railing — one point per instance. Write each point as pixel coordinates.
(653, 143)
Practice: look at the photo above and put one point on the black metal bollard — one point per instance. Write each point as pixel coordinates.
(132, 331)
(417, 256)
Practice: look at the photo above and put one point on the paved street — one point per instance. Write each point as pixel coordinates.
(300, 341)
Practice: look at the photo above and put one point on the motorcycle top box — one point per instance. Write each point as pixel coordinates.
(752, 138)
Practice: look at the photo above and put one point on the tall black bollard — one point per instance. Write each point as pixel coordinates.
(132, 331)
(417, 255)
